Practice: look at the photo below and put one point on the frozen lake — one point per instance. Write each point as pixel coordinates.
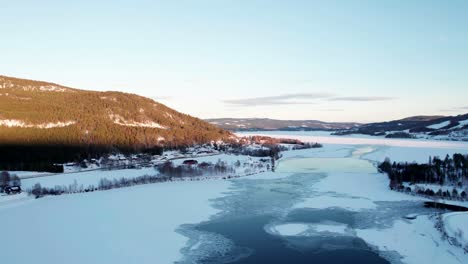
(320, 206)
(263, 224)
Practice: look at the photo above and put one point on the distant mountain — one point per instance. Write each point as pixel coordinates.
(437, 127)
(421, 118)
(43, 113)
(250, 124)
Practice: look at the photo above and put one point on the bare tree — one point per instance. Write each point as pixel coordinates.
(4, 180)
(37, 190)
(15, 180)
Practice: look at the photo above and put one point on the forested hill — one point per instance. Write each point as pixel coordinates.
(42, 113)
(434, 127)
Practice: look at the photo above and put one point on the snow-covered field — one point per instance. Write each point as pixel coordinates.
(138, 224)
(85, 178)
(128, 225)
(92, 177)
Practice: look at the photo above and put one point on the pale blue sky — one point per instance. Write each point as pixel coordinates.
(329, 60)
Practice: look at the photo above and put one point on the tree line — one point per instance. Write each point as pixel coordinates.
(450, 171)
(49, 158)
(167, 172)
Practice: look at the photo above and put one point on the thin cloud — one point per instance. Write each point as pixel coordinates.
(332, 110)
(454, 109)
(301, 99)
(362, 98)
(285, 99)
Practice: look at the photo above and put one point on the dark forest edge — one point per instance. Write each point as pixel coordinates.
(50, 157)
(439, 178)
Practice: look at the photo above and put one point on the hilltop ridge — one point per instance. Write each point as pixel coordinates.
(38, 112)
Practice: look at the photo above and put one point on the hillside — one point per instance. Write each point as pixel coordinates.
(437, 127)
(250, 124)
(421, 118)
(43, 113)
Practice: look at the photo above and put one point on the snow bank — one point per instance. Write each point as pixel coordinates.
(417, 241)
(129, 225)
(456, 226)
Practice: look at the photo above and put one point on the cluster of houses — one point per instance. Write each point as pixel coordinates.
(12, 190)
(9, 184)
(138, 161)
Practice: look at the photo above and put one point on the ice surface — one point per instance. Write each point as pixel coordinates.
(322, 202)
(326, 138)
(292, 229)
(330, 228)
(414, 154)
(307, 229)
